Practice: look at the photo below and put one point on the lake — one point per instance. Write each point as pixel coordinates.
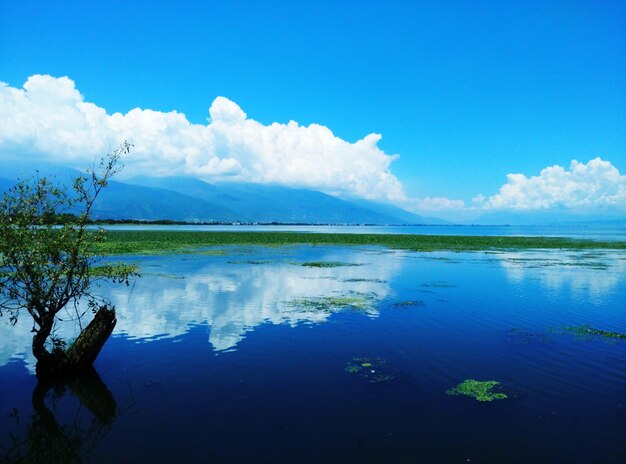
(315, 354)
(594, 232)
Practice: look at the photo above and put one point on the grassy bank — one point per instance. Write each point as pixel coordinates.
(153, 242)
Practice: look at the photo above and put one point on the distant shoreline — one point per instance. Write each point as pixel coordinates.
(168, 222)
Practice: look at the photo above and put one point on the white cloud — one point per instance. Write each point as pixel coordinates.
(48, 118)
(479, 198)
(594, 184)
(429, 204)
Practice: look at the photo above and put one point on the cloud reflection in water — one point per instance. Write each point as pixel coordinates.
(230, 297)
(589, 274)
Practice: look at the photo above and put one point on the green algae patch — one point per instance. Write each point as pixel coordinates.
(250, 261)
(578, 261)
(372, 370)
(109, 270)
(481, 390)
(164, 275)
(213, 252)
(409, 303)
(585, 331)
(438, 284)
(168, 241)
(328, 264)
(332, 304)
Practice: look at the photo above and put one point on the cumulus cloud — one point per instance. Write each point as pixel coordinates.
(49, 118)
(429, 204)
(596, 183)
(585, 187)
(480, 198)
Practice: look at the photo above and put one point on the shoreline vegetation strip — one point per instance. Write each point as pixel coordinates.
(156, 242)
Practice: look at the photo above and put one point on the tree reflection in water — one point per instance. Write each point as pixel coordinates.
(79, 414)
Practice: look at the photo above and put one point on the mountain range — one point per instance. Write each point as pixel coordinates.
(192, 200)
(188, 199)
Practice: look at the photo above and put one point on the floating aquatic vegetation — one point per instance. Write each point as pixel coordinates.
(408, 303)
(594, 265)
(164, 275)
(373, 370)
(438, 284)
(439, 258)
(153, 241)
(597, 265)
(482, 390)
(331, 304)
(251, 261)
(525, 337)
(213, 252)
(589, 261)
(328, 264)
(586, 331)
(107, 270)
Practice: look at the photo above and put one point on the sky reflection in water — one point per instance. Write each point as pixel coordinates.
(216, 356)
(233, 292)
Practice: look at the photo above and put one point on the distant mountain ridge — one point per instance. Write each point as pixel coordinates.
(193, 200)
(273, 203)
(404, 215)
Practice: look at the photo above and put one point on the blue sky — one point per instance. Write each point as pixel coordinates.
(464, 92)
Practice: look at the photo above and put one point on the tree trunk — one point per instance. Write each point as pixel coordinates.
(83, 352)
(44, 357)
(87, 346)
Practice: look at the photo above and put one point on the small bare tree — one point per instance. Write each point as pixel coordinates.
(47, 267)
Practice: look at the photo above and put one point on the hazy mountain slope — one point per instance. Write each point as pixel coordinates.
(301, 205)
(267, 203)
(192, 200)
(123, 201)
(403, 215)
(119, 200)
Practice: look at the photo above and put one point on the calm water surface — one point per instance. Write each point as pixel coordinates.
(240, 355)
(594, 232)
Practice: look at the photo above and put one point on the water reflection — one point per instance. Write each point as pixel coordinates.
(234, 297)
(68, 422)
(230, 295)
(590, 274)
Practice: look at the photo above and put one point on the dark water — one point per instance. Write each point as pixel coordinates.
(240, 355)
